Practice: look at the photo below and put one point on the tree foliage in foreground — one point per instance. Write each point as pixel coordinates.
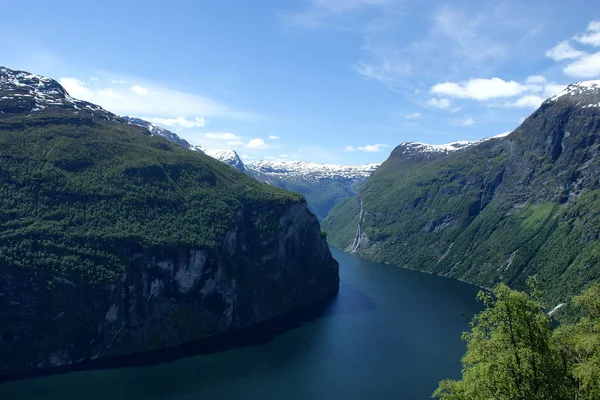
(513, 352)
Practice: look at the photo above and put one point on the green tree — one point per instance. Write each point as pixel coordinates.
(510, 353)
(580, 344)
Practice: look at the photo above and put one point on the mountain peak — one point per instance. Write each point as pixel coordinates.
(583, 94)
(23, 93)
(228, 156)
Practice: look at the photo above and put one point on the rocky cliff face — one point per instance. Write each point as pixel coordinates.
(167, 297)
(115, 242)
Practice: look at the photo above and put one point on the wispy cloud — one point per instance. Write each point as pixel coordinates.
(319, 13)
(528, 101)
(161, 104)
(369, 148)
(591, 36)
(467, 121)
(221, 136)
(273, 137)
(177, 123)
(588, 66)
(564, 51)
(414, 115)
(444, 104)
(582, 64)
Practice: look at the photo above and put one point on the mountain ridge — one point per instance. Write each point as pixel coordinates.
(497, 211)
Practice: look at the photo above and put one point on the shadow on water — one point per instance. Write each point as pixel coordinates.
(349, 300)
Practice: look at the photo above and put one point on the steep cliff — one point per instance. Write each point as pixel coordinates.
(114, 242)
(499, 210)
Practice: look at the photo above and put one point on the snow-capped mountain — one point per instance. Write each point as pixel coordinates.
(312, 171)
(24, 93)
(229, 157)
(582, 94)
(323, 185)
(424, 148)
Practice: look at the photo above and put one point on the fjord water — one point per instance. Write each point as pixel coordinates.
(390, 333)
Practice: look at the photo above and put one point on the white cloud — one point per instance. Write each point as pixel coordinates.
(439, 103)
(468, 121)
(178, 122)
(235, 143)
(535, 80)
(273, 137)
(583, 64)
(527, 101)
(150, 99)
(587, 66)
(414, 115)
(257, 144)
(75, 87)
(369, 148)
(564, 51)
(221, 136)
(553, 88)
(592, 35)
(139, 90)
(479, 89)
(372, 148)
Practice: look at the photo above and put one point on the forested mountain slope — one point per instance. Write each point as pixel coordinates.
(114, 242)
(496, 211)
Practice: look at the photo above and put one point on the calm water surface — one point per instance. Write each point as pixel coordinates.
(390, 334)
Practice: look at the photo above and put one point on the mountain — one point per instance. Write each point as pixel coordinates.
(114, 241)
(498, 210)
(229, 157)
(323, 185)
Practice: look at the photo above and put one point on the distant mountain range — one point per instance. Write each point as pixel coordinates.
(323, 185)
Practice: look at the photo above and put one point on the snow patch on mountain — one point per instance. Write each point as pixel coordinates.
(426, 148)
(227, 156)
(585, 94)
(26, 92)
(312, 170)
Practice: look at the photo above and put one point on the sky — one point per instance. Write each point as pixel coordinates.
(329, 81)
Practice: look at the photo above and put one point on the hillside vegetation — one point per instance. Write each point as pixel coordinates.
(498, 211)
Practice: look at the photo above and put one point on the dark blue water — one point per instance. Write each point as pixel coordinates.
(390, 334)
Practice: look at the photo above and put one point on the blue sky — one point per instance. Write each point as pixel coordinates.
(338, 81)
